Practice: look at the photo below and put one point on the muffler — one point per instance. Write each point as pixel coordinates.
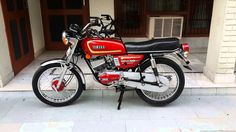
(132, 80)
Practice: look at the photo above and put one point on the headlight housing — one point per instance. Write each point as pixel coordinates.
(65, 38)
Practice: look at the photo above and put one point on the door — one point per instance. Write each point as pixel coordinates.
(58, 15)
(16, 17)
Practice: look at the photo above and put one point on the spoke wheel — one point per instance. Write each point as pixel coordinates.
(45, 85)
(170, 70)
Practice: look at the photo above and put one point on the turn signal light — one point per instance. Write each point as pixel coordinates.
(65, 38)
(65, 41)
(87, 56)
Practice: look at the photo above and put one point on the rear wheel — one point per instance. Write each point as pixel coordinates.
(45, 83)
(170, 70)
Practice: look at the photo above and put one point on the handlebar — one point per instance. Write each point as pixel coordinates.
(107, 17)
(95, 21)
(74, 28)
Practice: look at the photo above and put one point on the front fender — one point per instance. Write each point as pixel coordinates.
(55, 60)
(61, 61)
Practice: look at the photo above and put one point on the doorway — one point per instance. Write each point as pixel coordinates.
(16, 17)
(58, 15)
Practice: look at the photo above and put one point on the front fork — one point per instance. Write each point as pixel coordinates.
(63, 73)
(154, 68)
(66, 66)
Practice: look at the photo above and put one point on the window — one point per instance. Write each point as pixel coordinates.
(131, 19)
(132, 15)
(166, 5)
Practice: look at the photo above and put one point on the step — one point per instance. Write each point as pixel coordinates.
(195, 84)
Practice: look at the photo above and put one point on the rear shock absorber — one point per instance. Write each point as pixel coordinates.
(154, 68)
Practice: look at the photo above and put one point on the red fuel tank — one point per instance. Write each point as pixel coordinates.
(107, 46)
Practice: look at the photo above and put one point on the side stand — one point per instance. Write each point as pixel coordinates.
(122, 91)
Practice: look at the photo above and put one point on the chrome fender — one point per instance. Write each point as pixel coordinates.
(60, 61)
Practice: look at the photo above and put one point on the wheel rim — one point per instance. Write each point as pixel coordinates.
(49, 78)
(167, 71)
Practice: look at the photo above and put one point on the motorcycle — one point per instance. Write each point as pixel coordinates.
(140, 66)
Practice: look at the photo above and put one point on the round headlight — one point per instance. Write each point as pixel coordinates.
(65, 38)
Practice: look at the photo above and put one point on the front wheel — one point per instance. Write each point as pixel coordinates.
(45, 82)
(170, 70)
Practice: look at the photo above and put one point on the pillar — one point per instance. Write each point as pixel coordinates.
(221, 55)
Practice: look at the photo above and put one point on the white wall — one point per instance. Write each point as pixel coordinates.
(6, 71)
(98, 7)
(36, 26)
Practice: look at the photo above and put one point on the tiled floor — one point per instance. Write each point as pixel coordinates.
(96, 111)
(196, 83)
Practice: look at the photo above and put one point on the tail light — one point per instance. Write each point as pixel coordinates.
(185, 48)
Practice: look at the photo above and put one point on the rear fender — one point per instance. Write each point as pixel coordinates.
(184, 61)
(178, 56)
(60, 61)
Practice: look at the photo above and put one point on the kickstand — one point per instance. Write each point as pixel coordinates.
(122, 91)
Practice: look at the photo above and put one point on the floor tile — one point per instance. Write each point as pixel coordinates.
(13, 127)
(47, 127)
(152, 125)
(100, 126)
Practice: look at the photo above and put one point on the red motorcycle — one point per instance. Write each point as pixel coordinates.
(141, 66)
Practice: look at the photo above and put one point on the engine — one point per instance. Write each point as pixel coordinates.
(109, 66)
(121, 62)
(105, 68)
(114, 70)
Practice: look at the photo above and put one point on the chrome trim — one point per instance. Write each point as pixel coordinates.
(183, 60)
(53, 61)
(153, 52)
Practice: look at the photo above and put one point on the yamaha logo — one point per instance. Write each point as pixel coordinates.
(98, 47)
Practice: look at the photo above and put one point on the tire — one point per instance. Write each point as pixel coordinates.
(179, 88)
(39, 95)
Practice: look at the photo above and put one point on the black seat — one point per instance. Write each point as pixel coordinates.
(152, 46)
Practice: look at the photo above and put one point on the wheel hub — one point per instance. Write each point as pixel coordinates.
(165, 83)
(55, 84)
